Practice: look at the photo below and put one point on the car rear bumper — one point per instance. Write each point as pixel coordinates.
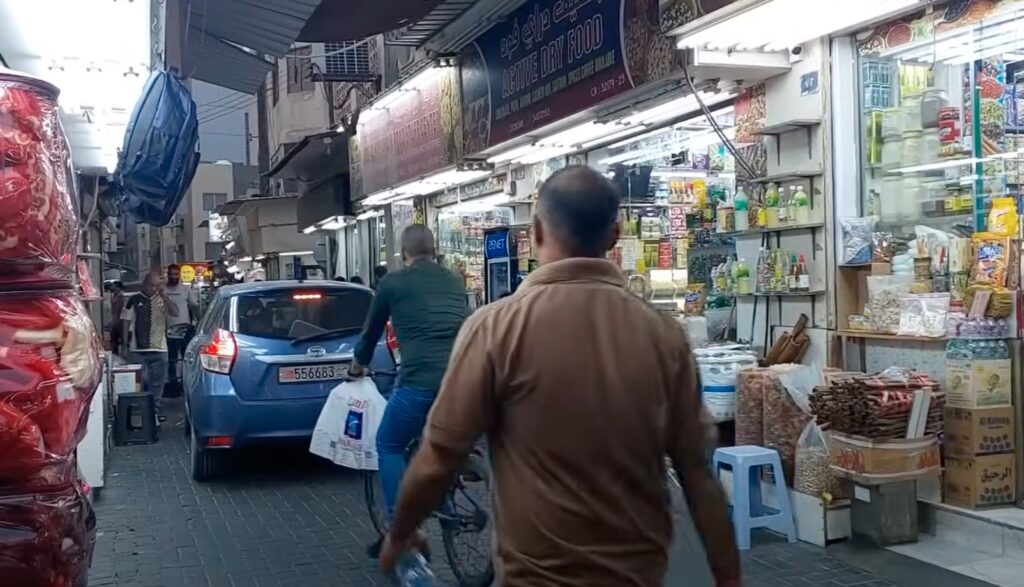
(254, 422)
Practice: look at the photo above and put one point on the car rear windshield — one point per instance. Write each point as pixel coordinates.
(297, 313)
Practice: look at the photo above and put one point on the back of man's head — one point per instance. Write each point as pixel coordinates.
(577, 214)
(417, 243)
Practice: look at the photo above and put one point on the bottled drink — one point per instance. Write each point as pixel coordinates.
(801, 207)
(742, 221)
(764, 271)
(771, 202)
(412, 570)
(803, 278)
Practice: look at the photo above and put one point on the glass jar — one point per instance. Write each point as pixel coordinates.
(892, 153)
(910, 197)
(930, 145)
(912, 140)
(911, 109)
(932, 101)
(889, 199)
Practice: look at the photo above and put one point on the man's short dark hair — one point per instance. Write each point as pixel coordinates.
(417, 241)
(380, 271)
(580, 206)
(173, 267)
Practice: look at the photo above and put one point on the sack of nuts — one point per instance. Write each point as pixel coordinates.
(750, 391)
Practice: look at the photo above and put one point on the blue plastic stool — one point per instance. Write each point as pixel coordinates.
(748, 509)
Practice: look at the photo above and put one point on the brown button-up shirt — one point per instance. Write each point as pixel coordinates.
(582, 390)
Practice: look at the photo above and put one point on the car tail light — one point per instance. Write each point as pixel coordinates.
(219, 355)
(219, 442)
(305, 296)
(392, 340)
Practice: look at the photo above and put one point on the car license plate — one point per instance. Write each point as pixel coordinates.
(326, 372)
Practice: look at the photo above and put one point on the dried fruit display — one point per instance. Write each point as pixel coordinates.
(784, 421)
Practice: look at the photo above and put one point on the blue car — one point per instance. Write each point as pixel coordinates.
(264, 359)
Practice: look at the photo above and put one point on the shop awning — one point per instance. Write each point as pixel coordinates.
(228, 37)
(352, 20)
(313, 159)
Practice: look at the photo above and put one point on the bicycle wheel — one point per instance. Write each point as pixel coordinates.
(466, 524)
(375, 504)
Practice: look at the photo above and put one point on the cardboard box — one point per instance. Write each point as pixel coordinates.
(980, 431)
(980, 481)
(866, 456)
(982, 383)
(127, 379)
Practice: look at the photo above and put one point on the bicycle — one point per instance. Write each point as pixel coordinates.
(461, 515)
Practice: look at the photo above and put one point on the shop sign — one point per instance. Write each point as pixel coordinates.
(496, 245)
(485, 187)
(418, 134)
(553, 58)
(191, 271)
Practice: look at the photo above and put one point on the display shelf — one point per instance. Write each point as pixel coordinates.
(795, 174)
(788, 126)
(786, 294)
(789, 228)
(884, 336)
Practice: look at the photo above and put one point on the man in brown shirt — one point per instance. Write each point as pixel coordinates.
(582, 390)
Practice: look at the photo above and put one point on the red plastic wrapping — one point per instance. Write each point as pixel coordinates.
(50, 366)
(46, 539)
(38, 219)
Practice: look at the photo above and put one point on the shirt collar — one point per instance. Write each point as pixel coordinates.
(577, 269)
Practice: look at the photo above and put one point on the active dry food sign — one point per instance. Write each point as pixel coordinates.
(550, 59)
(418, 134)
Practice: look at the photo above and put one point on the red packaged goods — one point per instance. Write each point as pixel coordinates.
(38, 222)
(50, 366)
(46, 539)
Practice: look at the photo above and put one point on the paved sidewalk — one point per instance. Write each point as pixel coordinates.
(284, 518)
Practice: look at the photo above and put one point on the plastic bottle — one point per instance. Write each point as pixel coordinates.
(412, 570)
(803, 278)
(763, 271)
(741, 212)
(771, 202)
(801, 207)
(743, 285)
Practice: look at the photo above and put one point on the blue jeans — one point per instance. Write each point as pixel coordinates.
(403, 423)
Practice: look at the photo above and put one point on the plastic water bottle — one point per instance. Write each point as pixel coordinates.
(412, 570)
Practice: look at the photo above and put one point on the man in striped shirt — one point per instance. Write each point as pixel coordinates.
(147, 316)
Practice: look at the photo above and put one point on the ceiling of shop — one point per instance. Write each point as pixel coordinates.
(346, 20)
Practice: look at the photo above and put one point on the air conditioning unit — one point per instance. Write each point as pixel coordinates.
(343, 61)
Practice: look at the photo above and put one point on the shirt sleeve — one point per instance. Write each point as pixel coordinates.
(376, 320)
(466, 405)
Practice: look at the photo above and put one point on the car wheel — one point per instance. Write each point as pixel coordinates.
(206, 464)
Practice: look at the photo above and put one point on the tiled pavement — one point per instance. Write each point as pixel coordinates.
(283, 518)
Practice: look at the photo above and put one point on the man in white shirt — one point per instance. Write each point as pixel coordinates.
(148, 314)
(179, 328)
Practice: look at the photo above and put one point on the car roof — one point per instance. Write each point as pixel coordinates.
(287, 284)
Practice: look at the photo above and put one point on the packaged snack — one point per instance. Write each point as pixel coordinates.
(1002, 218)
(924, 315)
(991, 259)
(857, 239)
(881, 247)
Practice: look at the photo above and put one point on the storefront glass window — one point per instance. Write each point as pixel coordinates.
(942, 125)
(460, 237)
(675, 180)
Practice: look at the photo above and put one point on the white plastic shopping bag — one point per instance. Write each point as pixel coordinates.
(346, 432)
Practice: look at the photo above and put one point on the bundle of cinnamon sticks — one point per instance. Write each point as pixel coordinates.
(875, 406)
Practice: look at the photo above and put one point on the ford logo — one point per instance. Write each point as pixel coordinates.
(316, 351)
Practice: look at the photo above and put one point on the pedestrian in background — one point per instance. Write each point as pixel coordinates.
(147, 314)
(582, 390)
(179, 326)
(378, 273)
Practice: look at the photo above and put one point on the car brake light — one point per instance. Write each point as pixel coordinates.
(219, 355)
(307, 296)
(219, 442)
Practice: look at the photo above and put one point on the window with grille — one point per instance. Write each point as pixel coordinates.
(347, 58)
(212, 201)
(299, 70)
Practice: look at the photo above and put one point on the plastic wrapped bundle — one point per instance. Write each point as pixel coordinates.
(46, 539)
(50, 366)
(38, 221)
(787, 411)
